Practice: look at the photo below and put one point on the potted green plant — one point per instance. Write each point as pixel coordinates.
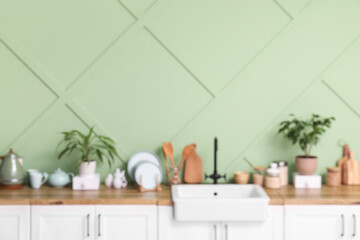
(91, 146)
(307, 135)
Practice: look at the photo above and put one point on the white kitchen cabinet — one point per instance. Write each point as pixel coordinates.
(74, 222)
(15, 222)
(169, 229)
(317, 222)
(90, 222)
(126, 222)
(272, 228)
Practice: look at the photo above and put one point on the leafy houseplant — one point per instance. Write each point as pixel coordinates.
(307, 135)
(91, 146)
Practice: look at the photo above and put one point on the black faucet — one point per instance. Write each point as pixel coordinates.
(215, 176)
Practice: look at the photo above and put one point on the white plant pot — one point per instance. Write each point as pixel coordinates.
(87, 168)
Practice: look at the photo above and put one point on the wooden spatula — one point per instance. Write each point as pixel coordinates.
(186, 152)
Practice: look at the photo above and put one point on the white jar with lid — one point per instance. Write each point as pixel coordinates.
(272, 179)
(273, 171)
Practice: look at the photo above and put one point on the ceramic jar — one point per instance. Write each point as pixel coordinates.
(283, 169)
(333, 176)
(272, 180)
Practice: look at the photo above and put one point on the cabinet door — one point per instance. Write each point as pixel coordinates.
(126, 222)
(272, 228)
(14, 222)
(63, 222)
(316, 222)
(170, 229)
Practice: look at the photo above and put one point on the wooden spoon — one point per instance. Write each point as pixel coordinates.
(187, 150)
(166, 162)
(169, 151)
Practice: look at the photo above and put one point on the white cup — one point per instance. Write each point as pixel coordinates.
(29, 171)
(37, 179)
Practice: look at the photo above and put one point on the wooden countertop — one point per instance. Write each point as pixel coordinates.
(56, 196)
(288, 195)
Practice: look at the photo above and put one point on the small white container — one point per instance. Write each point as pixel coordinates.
(87, 182)
(306, 181)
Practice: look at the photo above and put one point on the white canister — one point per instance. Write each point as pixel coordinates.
(284, 178)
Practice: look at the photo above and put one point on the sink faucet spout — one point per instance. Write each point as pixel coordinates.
(215, 176)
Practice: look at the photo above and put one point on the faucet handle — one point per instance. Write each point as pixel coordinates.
(224, 176)
(207, 176)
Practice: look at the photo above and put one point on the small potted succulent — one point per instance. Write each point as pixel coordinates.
(306, 134)
(91, 146)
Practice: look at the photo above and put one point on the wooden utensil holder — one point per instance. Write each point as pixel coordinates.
(333, 176)
(259, 179)
(156, 189)
(241, 177)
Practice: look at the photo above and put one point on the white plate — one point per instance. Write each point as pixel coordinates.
(140, 157)
(146, 174)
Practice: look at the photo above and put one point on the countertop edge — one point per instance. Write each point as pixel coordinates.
(287, 195)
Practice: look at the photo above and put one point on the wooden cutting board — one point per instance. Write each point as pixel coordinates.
(351, 170)
(193, 168)
(340, 163)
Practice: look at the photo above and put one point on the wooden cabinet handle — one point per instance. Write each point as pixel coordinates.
(343, 225)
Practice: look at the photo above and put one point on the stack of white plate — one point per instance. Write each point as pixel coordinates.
(145, 169)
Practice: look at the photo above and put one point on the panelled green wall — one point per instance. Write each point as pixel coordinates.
(149, 71)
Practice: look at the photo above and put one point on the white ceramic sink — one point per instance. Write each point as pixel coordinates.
(219, 202)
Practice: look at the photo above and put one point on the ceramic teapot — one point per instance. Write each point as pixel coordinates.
(59, 178)
(11, 171)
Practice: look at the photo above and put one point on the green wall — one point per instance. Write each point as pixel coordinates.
(147, 71)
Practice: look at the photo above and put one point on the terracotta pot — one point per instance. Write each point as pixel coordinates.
(306, 165)
(87, 168)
